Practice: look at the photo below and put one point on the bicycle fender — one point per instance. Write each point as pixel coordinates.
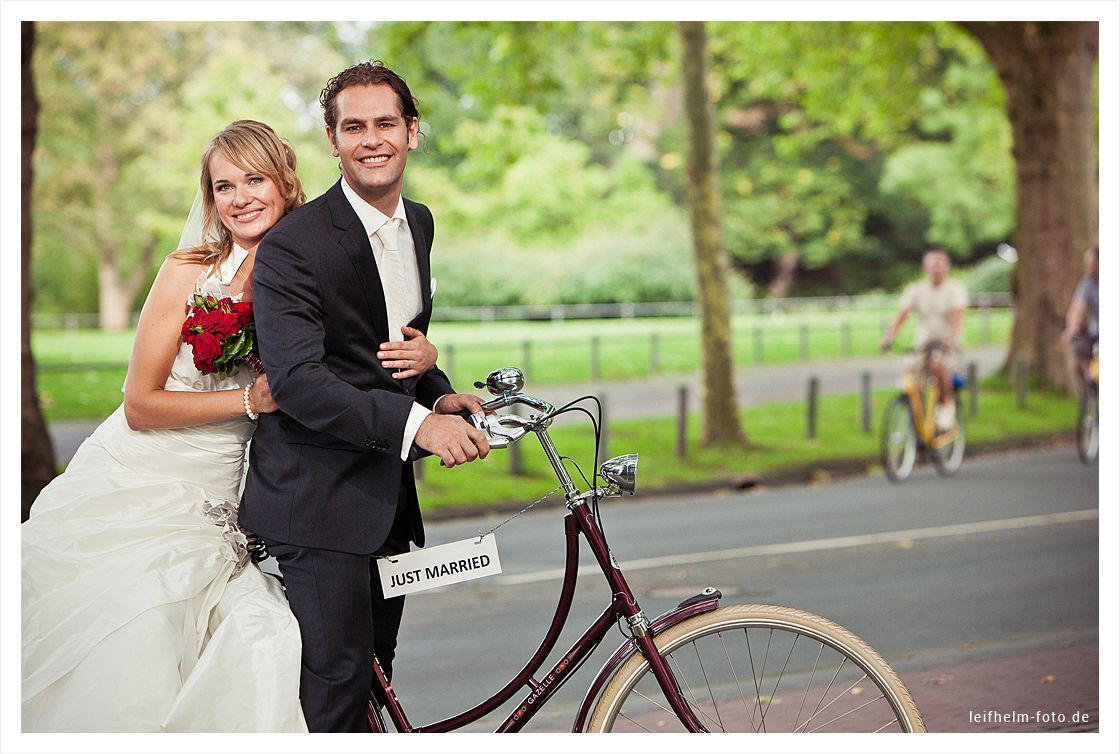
(704, 602)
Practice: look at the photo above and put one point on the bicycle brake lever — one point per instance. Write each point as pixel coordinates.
(499, 434)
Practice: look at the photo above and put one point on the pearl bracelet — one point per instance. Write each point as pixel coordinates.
(245, 400)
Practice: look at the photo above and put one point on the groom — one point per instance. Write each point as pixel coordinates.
(329, 486)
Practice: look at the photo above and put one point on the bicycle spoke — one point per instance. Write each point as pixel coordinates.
(884, 726)
(808, 686)
(757, 690)
(817, 710)
(839, 695)
(654, 702)
(782, 674)
(704, 672)
(695, 703)
(849, 712)
(735, 675)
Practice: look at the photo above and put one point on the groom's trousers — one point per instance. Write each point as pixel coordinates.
(343, 619)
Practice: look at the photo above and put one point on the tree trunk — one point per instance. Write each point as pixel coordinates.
(1047, 74)
(785, 272)
(721, 422)
(36, 454)
(115, 296)
(115, 293)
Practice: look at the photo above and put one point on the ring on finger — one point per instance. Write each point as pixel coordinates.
(410, 363)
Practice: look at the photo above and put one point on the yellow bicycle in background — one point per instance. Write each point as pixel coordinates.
(909, 425)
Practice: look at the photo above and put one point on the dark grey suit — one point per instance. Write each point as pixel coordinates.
(326, 485)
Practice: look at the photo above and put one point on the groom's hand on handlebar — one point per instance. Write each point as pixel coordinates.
(455, 403)
(451, 438)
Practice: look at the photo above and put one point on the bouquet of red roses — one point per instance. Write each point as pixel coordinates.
(221, 333)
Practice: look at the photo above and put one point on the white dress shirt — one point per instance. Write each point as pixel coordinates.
(372, 219)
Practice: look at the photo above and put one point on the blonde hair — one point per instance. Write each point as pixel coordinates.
(253, 146)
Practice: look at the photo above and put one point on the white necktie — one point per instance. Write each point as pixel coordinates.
(392, 278)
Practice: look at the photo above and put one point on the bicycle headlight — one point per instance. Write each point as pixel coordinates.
(621, 471)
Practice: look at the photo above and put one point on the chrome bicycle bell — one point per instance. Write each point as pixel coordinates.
(507, 380)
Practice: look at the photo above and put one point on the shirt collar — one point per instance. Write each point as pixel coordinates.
(372, 218)
(231, 265)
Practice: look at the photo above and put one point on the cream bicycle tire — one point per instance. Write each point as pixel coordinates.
(848, 703)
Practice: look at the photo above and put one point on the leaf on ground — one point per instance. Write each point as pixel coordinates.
(940, 680)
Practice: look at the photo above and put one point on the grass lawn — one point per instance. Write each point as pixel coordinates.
(777, 437)
(81, 371)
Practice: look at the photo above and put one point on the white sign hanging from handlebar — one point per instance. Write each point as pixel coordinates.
(439, 566)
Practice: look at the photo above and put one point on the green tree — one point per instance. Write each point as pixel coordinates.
(36, 453)
(835, 144)
(131, 105)
(1047, 70)
(102, 186)
(721, 422)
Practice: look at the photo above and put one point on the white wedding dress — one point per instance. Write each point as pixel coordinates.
(141, 612)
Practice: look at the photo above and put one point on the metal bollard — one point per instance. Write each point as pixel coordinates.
(811, 409)
(682, 421)
(973, 390)
(865, 402)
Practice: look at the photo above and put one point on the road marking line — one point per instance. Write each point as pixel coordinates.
(817, 545)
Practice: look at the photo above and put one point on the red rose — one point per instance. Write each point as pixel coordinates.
(218, 323)
(244, 311)
(225, 324)
(206, 349)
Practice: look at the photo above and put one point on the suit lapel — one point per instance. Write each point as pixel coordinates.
(353, 240)
(423, 246)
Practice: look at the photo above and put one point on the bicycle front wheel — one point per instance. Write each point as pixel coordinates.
(761, 669)
(898, 444)
(948, 447)
(1088, 426)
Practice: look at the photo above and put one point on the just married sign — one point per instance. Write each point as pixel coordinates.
(439, 566)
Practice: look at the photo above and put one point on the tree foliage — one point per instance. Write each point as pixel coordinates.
(846, 149)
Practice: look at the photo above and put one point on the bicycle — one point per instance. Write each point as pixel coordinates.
(698, 667)
(909, 425)
(1088, 419)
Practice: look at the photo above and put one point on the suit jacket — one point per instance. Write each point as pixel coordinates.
(325, 470)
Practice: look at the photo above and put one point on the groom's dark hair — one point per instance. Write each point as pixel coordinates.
(369, 73)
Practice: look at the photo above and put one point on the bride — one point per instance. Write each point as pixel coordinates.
(141, 611)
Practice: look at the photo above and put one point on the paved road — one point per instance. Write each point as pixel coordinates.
(982, 590)
(657, 396)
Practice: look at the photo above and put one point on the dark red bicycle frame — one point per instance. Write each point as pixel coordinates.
(623, 606)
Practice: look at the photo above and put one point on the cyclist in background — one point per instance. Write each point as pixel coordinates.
(1081, 318)
(939, 304)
